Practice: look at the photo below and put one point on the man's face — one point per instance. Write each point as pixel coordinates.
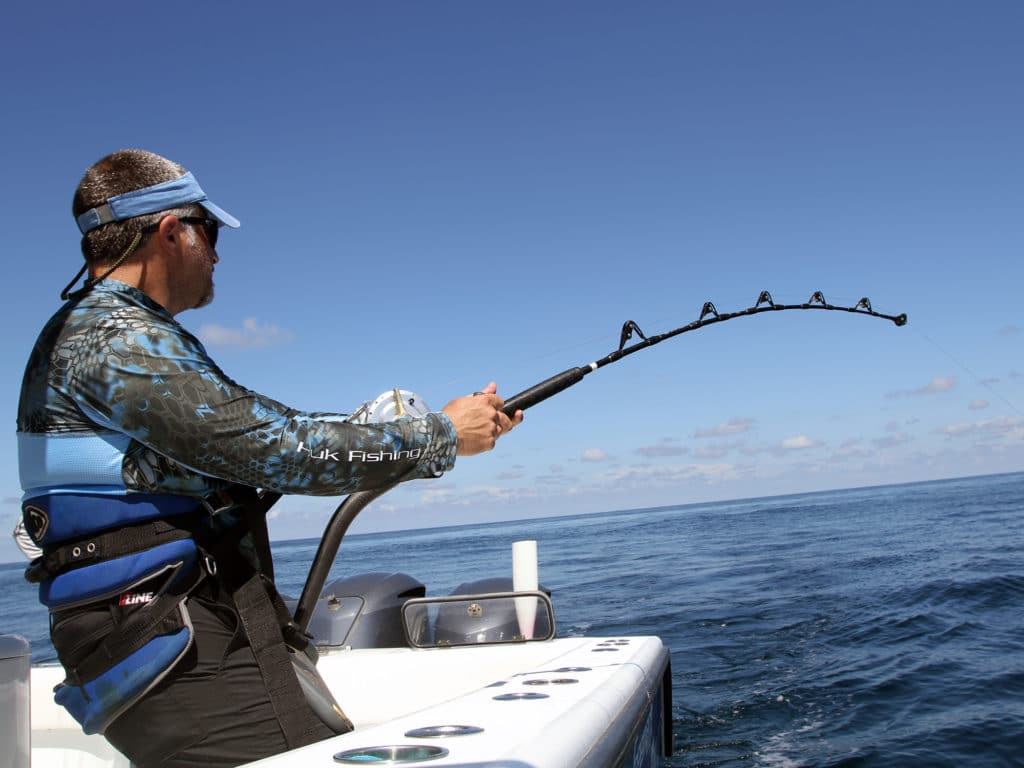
(196, 284)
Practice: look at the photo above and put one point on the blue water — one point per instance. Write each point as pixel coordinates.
(869, 627)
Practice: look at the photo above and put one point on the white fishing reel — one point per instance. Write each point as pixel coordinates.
(392, 405)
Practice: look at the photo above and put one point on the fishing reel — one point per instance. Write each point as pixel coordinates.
(392, 405)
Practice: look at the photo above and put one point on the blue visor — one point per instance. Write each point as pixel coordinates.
(175, 193)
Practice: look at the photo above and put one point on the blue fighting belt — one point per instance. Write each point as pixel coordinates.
(96, 703)
(109, 578)
(144, 647)
(55, 518)
(136, 548)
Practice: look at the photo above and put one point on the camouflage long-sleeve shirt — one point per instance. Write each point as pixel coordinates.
(119, 398)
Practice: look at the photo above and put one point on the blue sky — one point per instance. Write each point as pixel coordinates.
(439, 194)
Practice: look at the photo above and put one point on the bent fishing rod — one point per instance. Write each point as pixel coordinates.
(708, 316)
(356, 502)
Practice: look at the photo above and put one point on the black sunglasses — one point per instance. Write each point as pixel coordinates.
(210, 226)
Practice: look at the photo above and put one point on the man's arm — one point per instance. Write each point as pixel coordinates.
(165, 392)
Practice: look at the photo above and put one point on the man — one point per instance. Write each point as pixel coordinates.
(140, 461)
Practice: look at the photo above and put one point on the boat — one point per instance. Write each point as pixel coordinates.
(476, 678)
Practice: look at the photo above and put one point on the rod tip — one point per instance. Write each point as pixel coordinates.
(900, 319)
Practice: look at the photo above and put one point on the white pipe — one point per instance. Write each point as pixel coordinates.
(524, 579)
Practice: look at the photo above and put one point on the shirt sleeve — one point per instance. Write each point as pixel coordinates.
(28, 547)
(154, 382)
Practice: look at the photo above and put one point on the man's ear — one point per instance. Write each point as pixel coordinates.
(168, 232)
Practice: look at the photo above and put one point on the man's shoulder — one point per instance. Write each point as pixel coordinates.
(115, 323)
(105, 310)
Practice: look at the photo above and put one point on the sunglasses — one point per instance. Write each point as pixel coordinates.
(210, 227)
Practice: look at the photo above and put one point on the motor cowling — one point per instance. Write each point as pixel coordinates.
(455, 625)
(362, 611)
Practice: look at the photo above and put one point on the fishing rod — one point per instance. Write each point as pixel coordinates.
(346, 512)
(708, 316)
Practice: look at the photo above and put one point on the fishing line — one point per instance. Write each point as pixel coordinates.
(977, 379)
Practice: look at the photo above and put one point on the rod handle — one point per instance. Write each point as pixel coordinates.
(540, 392)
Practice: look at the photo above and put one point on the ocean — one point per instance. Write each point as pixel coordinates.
(869, 627)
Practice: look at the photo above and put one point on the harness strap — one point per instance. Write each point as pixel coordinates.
(255, 514)
(300, 652)
(111, 544)
(262, 626)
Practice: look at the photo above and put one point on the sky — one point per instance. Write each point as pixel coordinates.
(435, 195)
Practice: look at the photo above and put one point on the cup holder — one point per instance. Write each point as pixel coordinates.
(398, 754)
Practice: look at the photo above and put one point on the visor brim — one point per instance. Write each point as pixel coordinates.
(225, 218)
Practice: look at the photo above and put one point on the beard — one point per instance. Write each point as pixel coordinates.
(207, 297)
(202, 276)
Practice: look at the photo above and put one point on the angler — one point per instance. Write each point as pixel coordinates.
(141, 465)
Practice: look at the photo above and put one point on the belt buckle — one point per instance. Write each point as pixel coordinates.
(209, 564)
(221, 498)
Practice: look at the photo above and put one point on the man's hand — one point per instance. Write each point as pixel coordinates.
(479, 421)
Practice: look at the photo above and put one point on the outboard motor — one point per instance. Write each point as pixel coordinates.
(15, 731)
(457, 625)
(363, 611)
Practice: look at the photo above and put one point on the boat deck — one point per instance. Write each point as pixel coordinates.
(574, 702)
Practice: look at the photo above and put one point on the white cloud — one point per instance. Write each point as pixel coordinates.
(649, 475)
(891, 441)
(939, 384)
(664, 448)
(555, 479)
(472, 495)
(1008, 426)
(716, 450)
(711, 451)
(852, 449)
(754, 450)
(978, 405)
(960, 428)
(731, 427)
(252, 335)
(797, 443)
(935, 386)
(595, 454)
(436, 495)
(492, 492)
